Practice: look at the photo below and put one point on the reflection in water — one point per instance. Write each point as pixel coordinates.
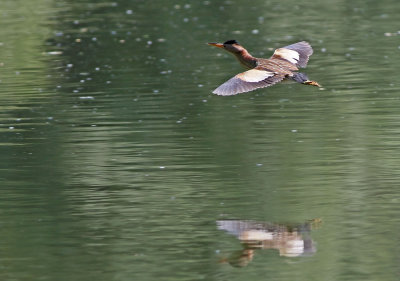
(290, 240)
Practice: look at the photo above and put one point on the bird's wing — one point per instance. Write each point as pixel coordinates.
(297, 53)
(236, 227)
(248, 81)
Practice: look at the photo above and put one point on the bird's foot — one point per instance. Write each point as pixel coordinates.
(312, 83)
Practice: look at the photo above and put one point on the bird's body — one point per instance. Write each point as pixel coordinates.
(284, 64)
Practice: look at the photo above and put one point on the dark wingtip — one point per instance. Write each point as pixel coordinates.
(230, 42)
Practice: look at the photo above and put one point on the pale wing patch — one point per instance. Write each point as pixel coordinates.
(254, 75)
(237, 85)
(303, 49)
(286, 54)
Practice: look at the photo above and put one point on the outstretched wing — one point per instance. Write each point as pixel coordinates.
(297, 53)
(248, 81)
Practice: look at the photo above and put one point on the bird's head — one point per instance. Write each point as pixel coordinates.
(231, 46)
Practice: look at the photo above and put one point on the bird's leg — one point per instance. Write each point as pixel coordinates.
(312, 83)
(303, 79)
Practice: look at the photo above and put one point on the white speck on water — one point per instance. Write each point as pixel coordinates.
(129, 12)
(108, 82)
(156, 91)
(93, 125)
(97, 68)
(75, 91)
(87, 98)
(200, 85)
(294, 131)
(149, 42)
(82, 81)
(162, 167)
(204, 100)
(259, 164)
(76, 21)
(70, 65)
(54, 53)
(255, 31)
(323, 50)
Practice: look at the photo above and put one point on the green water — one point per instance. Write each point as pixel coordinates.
(117, 162)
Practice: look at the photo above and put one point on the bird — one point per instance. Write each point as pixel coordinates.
(282, 65)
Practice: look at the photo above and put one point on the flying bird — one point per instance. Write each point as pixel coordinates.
(283, 65)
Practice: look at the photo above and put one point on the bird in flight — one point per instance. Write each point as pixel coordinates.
(283, 65)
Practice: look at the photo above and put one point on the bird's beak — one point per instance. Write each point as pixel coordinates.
(219, 45)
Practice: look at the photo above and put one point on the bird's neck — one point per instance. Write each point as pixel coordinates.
(246, 59)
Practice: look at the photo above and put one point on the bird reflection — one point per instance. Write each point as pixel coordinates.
(290, 240)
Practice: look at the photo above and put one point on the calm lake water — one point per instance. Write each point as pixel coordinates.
(117, 162)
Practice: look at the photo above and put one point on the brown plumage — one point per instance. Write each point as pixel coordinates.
(284, 64)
